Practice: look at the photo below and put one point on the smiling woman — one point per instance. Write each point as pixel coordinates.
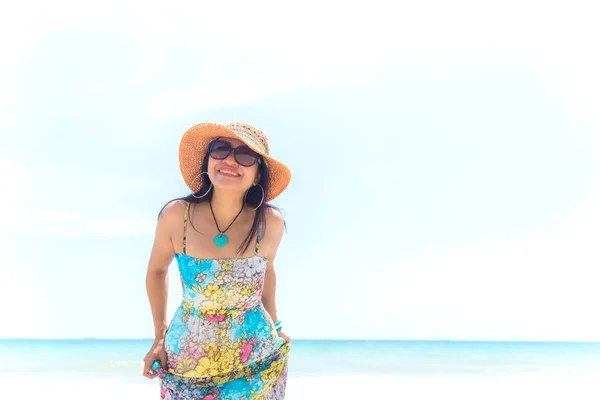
(225, 340)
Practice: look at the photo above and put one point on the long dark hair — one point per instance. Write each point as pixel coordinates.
(253, 198)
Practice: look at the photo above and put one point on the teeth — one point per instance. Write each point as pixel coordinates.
(228, 172)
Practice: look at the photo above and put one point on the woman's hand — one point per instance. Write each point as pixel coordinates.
(157, 352)
(284, 336)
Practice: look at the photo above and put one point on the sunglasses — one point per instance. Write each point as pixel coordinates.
(243, 155)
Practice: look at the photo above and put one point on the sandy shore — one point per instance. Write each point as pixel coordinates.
(574, 387)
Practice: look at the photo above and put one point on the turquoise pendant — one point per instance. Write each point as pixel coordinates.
(221, 240)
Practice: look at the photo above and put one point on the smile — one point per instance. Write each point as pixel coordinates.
(228, 173)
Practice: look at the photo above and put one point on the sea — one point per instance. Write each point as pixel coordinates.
(408, 363)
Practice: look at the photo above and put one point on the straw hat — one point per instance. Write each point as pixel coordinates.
(194, 145)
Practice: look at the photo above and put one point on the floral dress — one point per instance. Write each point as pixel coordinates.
(221, 342)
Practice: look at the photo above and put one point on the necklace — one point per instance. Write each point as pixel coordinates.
(221, 240)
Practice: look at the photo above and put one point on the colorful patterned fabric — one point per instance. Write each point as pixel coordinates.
(222, 343)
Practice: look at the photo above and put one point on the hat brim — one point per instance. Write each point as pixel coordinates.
(193, 147)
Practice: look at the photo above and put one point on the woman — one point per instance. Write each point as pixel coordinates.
(225, 340)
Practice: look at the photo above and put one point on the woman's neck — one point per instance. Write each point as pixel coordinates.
(226, 206)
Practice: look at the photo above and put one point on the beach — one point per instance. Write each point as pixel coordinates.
(331, 369)
(334, 387)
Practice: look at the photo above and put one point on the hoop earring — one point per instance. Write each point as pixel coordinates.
(261, 200)
(192, 184)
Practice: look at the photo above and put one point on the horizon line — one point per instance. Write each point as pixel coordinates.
(322, 339)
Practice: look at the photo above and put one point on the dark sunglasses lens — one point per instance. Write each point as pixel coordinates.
(220, 150)
(246, 157)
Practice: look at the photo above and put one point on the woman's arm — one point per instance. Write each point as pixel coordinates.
(157, 279)
(268, 296)
(157, 282)
(272, 239)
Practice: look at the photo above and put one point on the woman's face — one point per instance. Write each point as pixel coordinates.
(228, 173)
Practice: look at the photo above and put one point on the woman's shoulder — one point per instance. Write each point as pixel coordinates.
(173, 210)
(274, 216)
(274, 222)
(273, 231)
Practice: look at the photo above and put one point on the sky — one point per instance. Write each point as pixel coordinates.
(445, 161)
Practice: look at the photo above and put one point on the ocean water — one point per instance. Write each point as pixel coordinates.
(121, 360)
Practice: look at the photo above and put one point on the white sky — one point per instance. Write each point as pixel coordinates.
(480, 219)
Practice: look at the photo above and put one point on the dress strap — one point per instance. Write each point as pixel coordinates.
(185, 222)
(259, 231)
